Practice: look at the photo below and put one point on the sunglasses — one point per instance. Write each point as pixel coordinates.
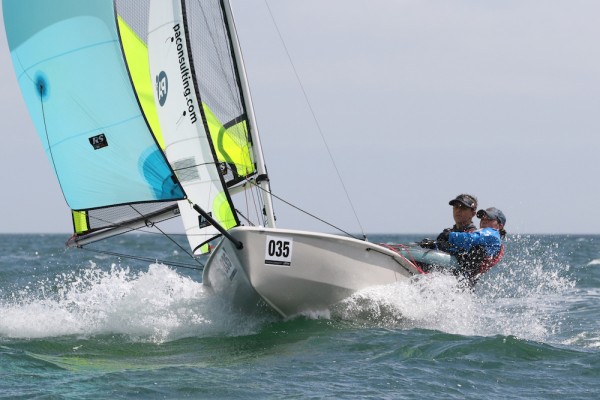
(481, 214)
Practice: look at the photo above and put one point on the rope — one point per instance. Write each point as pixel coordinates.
(396, 247)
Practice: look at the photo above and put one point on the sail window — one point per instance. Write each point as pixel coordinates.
(186, 169)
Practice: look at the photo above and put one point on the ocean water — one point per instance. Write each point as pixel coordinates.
(82, 325)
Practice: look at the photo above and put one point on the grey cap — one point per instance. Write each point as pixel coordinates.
(466, 200)
(492, 213)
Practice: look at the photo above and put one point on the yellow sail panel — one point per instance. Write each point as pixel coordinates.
(80, 221)
(231, 144)
(136, 54)
(223, 214)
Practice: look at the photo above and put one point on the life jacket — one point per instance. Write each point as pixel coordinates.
(475, 263)
(489, 262)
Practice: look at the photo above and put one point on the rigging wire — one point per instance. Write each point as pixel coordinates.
(166, 235)
(153, 225)
(315, 120)
(200, 266)
(160, 232)
(309, 214)
(148, 259)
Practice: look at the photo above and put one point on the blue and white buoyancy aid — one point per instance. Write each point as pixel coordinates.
(488, 239)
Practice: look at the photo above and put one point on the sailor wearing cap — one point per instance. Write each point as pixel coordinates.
(479, 251)
(463, 211)
(492, 217)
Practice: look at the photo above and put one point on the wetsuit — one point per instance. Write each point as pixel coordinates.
(444, 235)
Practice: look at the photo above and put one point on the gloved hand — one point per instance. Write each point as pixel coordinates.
(444, 236)
(427, 243)
(443, 240)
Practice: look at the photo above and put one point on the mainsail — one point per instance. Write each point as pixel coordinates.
(202, 110)
(74, 78)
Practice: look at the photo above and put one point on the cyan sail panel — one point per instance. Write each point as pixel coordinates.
(69, 65)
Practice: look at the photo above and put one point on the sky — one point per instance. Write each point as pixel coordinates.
(416, 101)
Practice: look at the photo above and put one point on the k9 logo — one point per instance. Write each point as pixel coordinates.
(162, 87)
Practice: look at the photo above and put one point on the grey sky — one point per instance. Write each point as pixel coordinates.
(418, 101)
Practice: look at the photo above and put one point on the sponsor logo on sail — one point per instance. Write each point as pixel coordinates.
(223, 168)
(186, 76)
(98, 141)
(162, 87)
(203, 222)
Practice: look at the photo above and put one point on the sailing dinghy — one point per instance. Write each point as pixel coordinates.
(144, 110)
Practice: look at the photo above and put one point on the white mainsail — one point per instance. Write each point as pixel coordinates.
(201, 108)
(187, 144)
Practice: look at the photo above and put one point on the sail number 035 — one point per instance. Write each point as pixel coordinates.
(278, 250)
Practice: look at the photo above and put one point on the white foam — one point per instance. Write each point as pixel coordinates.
(594, 262)
(504, 305)
(526, 296)
(155, 305)
(584, 339)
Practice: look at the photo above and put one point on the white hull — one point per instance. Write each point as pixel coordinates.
(297, 271)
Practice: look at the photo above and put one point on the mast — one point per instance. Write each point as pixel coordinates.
(262, 179)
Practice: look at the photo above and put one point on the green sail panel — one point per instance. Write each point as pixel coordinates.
(70, 67)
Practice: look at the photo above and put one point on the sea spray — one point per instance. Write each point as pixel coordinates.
(522, 297)
(232, 356)
(156, 305)
(433, 301)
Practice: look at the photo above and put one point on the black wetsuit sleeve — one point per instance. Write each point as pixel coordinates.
(442, 240)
